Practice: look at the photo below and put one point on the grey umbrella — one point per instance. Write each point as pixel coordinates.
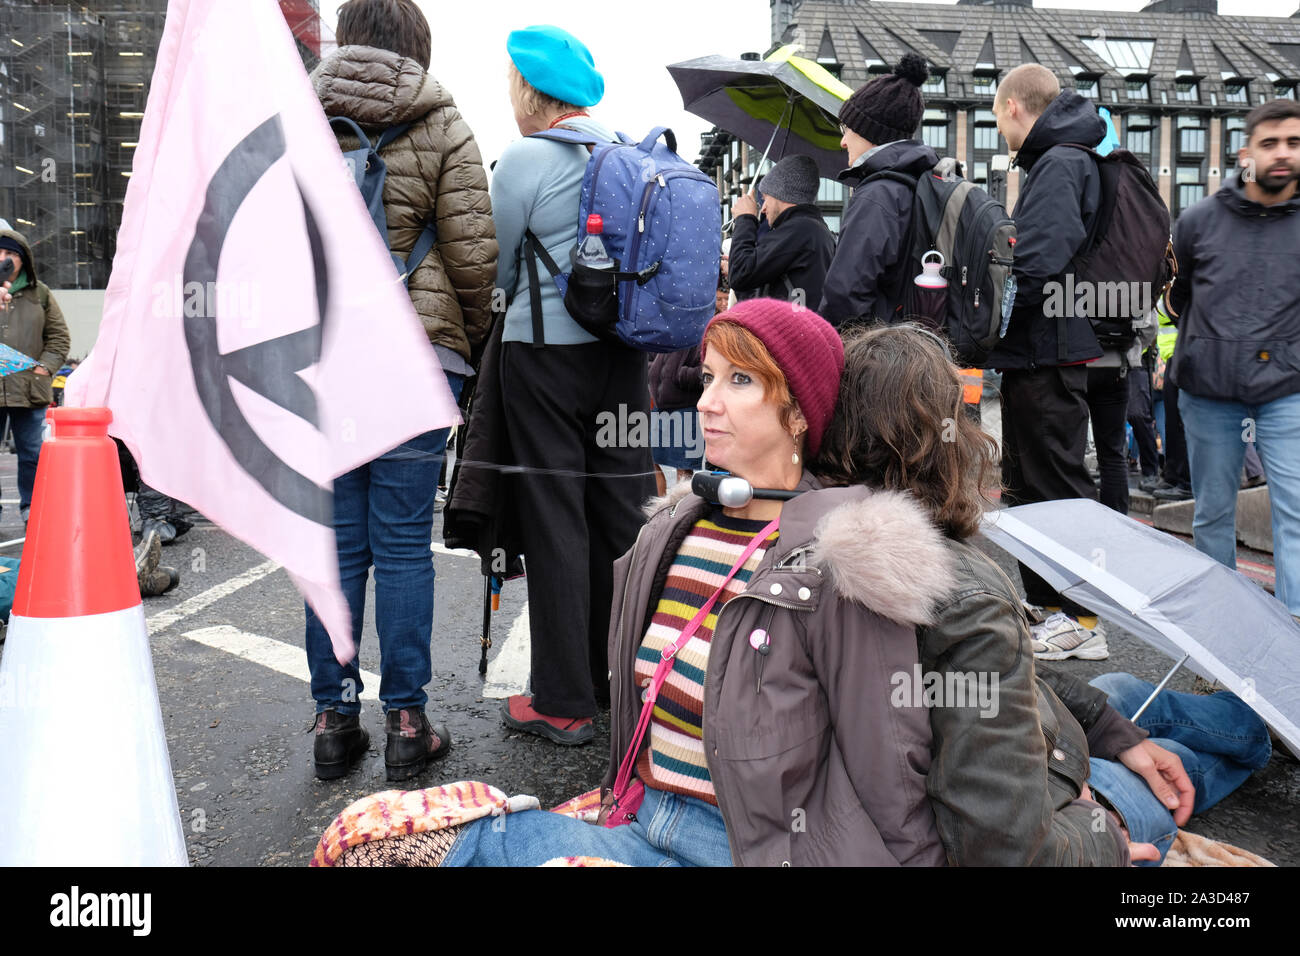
(1180, 601)
(785, 103)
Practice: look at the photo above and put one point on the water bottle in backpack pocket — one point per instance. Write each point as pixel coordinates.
(591, 293)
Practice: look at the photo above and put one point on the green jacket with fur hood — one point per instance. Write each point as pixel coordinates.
(33, 324)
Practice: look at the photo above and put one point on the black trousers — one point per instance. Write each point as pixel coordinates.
(1044, 435)
(1141, 415)
(1177, 470)
(579, 506)
(1108, 408)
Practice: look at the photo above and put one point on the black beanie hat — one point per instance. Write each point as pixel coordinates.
(890, 106)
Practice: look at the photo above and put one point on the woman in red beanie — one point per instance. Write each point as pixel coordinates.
(753, 650)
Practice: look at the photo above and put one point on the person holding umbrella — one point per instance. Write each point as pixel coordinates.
(1022, 783)
(790, 260)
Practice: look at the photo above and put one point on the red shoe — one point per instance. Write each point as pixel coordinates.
(518, 713)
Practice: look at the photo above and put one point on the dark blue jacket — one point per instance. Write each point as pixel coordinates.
(1060, 194)
(1237, 297)
(863, 280)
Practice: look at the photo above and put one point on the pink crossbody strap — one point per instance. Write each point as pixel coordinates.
(667, 657)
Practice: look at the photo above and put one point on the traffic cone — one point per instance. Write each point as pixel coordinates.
(84, 775)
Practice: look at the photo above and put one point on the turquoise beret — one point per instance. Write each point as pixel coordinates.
(556, 63)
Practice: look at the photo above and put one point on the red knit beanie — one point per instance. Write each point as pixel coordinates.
(805, 347)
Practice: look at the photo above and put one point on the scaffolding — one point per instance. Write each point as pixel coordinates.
(53, 180)
(74, 81)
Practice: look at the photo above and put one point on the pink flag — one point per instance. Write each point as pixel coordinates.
(256, 340)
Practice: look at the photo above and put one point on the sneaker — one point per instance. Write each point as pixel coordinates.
(518, 714)
(1149, 483)
(1061, 637)
(340, 742)
(1167, 492)
(412, 742)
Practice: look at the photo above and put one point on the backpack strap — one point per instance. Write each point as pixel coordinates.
(560, 134)
(648, 143)
(898, 293)
(350, 127)
(532, 250)
(423, 246)
(1101, 221)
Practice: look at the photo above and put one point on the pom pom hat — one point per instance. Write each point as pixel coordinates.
(890, 106)
(556, 63)
(805, 347)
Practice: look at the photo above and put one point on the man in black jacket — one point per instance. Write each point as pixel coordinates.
(790, 260)
(1237, 362)
(866, 278)
(1043, 359)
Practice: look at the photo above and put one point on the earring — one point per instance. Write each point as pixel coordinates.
(794, 458)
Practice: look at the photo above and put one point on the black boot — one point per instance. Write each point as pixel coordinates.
(412, 742)
(340, 742)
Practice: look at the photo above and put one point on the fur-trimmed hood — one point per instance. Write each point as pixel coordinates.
(880, 547)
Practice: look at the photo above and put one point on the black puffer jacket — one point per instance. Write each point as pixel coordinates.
(1059, 199)
(1237, 297)
(863, 280)
(790, 260)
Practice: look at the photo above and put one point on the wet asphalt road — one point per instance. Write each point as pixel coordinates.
(239, 734)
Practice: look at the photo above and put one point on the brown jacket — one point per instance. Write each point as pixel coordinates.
(434, 168)
(33, 324)
(811, 763)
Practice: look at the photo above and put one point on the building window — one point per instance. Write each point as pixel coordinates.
(830, 190)
(1190, 187)
(986, 137)
(1191, 141)
(1139, 142)
(1139, 90)
(936, 84)
(1236, 93)
(832, 222)
(1187, 91)
(1284, 91)
(1086, 86)
(984, 85)
(1234, 128)
(980, 174)
(936, 137)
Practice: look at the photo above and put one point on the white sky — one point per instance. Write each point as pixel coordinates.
(632, 44)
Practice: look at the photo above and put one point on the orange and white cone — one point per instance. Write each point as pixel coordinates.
(84, 775)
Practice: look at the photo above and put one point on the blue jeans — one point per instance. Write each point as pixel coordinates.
(383, 516)
(670, 830)
(1216, 448)
(1219, 739)
(27, 424)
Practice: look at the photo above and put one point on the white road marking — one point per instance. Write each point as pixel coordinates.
(508, 671)
(165, 619)
(276, 655)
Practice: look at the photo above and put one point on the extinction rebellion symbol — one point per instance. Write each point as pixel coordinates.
(268, 368)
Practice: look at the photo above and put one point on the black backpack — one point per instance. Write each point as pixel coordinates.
(1127, 262)
(977, 239)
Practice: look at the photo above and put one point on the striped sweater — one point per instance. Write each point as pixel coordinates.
(674, 758)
